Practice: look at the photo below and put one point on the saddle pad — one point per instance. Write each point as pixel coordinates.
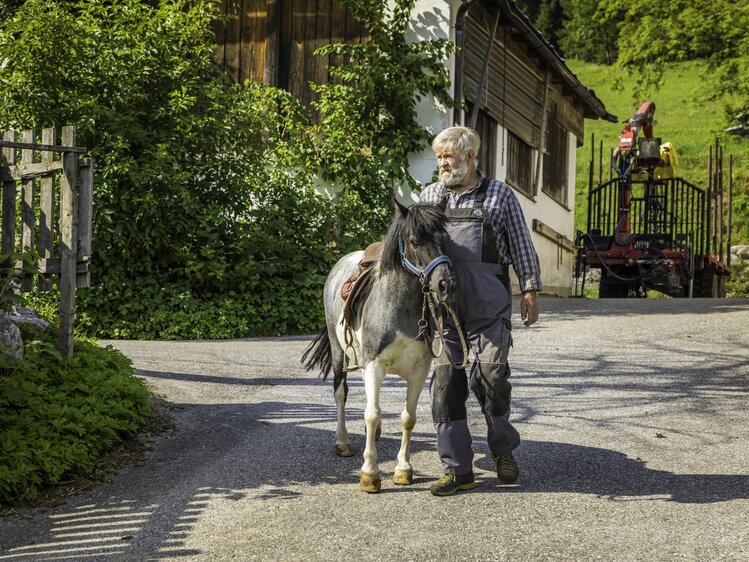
(371, 255)
(357, 294)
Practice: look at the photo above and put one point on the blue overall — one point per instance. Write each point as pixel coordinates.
(483, 307)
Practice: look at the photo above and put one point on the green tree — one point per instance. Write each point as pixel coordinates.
(529, 8)
(369, 126)
(716, 31)
(190, 241)
(588, 33)
(8, 8)
(549, 21)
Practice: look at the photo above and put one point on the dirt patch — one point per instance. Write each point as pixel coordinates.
(130, 453)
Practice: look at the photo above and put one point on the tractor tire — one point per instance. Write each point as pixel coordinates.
(708, 285)
(611, 289)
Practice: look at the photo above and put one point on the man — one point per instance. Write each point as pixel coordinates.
(487, 232)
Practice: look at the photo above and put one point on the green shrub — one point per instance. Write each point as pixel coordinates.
(737, 285)
(57, 415)
(202, 191)
(206, 220)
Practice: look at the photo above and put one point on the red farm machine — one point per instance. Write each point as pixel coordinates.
(648, 229)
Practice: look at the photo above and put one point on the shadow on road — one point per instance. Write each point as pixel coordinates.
(611, 475)
(272, 451)
(244, 381)
(584, 307)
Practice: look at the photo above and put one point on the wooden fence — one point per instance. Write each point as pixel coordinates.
(56, 190)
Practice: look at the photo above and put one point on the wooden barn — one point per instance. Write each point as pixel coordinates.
(273, 41)
(526, 104)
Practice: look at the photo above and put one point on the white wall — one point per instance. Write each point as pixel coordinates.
(431, 19)
(556, 276)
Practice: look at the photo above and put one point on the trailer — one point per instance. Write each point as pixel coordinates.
(650, 230)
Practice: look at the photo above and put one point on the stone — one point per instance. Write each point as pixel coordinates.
(29, 317)
(11, 342)
(740, 253)
(25, 311)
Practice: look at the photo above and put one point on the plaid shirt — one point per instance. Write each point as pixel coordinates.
(510, 230)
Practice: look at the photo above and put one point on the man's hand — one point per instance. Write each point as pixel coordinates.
(529, 308)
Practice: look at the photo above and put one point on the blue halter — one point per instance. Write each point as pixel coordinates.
(422, 274)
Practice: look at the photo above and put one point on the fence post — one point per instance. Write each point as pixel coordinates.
(27, 209)
(9, 203)
(47, 209)
(85, 222)
(68, 241)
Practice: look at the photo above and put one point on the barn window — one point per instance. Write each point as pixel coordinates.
(555, 160)
(519, 164)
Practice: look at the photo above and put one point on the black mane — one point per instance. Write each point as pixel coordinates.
(423, 222)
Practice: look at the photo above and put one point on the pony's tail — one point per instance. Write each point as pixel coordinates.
(319, 354)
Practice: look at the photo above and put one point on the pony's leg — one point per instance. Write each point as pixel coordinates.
(340, 391)
(369, 477)
(415, 383)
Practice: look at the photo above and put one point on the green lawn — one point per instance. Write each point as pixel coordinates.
(684, 118)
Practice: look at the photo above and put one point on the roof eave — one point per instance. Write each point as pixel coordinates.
(593, 107)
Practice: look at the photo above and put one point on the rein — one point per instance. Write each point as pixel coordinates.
(430, 302)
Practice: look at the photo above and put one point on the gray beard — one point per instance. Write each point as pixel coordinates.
(456, 176)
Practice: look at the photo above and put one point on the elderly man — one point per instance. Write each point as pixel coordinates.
(487, 232)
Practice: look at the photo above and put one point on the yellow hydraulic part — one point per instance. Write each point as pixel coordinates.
(668, 156)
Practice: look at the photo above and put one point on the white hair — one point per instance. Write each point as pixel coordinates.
(461, 139)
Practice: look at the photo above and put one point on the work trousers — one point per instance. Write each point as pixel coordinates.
(483, 309)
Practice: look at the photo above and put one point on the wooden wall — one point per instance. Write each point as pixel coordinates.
(273, 41)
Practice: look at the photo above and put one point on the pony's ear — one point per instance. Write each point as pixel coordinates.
(442, 205)
(402, 208)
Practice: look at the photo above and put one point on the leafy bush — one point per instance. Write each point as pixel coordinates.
(202, 191)
(737, 285)
(57, 415)
(206, 220)
(8, 7)
(371, 102)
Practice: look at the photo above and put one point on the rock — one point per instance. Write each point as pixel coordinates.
(24, 311)
(29, 317)
(740, 253)
(38, 323)
(11, 342)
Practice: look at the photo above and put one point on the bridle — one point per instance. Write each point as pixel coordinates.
(430, 301)
(422, 274)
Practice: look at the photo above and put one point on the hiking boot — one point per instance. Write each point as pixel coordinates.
(450, 483)
(507, 468)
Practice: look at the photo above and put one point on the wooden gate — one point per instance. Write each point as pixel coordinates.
(55, 204)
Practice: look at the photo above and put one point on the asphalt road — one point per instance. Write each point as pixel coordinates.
(635, 430)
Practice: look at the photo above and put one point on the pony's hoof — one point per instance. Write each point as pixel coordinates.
(344, 450)
(370, 484)
(403, 477)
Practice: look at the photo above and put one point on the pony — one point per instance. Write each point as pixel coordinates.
(390, 329)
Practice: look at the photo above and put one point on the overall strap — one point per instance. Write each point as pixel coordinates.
(489, 254)
(481, 194)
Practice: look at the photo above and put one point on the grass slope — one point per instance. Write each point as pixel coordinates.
(684, 117)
